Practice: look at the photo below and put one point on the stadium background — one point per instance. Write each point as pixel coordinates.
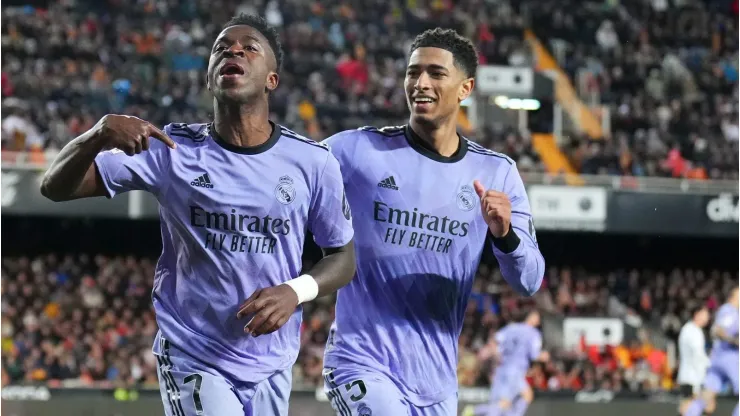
(622, 116)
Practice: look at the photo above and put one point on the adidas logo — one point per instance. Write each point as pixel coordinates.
(389, 183)
(202, 181)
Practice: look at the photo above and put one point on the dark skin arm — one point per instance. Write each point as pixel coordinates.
(73, 174)
(273, 306)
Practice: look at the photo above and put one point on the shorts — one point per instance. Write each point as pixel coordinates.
(508, 384)
(191, 388)
(360, 392)
(687, 391)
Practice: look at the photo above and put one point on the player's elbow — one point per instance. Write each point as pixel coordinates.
(531, 282)
(530, 287)
(47, 190)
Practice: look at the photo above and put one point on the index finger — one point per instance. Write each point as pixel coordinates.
(249, 305)
(159, 135)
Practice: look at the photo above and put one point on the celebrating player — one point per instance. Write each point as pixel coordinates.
(424, 200)
(723, 361)
(515, 347)
(236, 196)
(693, 360)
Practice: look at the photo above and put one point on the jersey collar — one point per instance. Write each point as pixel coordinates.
(421, 147)
(247, 150)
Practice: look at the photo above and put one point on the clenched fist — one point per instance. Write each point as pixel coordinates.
(496, 209)
(128, 134)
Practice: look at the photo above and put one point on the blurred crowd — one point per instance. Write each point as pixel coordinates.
(660, 301)
(87, 321)
(67, 64)
(666, 70)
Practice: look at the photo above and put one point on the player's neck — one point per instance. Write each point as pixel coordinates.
(242, 126)
(441, 139)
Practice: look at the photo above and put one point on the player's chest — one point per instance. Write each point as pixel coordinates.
(420, 189)
(240, 189)
(423, 209)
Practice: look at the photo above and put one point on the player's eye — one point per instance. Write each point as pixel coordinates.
(252, 48)
(219, 48)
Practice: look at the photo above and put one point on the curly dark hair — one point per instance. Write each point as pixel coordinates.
(462, 49)
(261, 25)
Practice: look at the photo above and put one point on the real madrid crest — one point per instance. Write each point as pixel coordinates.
(466, 199)
(364, 410)
(285, 192)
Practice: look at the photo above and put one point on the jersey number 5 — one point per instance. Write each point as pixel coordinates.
(363, 390)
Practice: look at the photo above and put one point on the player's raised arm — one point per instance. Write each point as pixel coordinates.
(75, 174)
(512, 230)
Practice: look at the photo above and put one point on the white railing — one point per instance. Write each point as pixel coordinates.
(39, 162)
(648, 184)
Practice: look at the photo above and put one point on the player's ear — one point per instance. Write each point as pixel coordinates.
(273, 79)
(466, 88)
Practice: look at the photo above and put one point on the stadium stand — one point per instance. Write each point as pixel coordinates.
(86, 319)
(671, 87)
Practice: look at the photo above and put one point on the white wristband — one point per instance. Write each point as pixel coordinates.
(305, 287)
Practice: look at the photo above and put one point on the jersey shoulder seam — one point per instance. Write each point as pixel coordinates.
(386, 131)
(480, 150)
(286, 132)
(197, 132)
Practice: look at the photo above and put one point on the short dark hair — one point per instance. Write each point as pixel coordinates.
(462, 49)
(524, 313)
(261, 25)
(697, 309)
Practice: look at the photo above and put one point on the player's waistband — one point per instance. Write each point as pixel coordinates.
(339, 365)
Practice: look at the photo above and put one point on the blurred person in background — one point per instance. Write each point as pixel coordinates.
(515, 348)
(724, 364)
(693, 359)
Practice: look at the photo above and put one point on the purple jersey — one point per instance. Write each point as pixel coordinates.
(518, 345)
(233, 221)
(420, 236)
(727, 319)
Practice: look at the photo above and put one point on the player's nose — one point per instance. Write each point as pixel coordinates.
(422, 82)
(234, 50)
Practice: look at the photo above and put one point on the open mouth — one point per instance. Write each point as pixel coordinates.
(423, 100)
(422, 104)
(231, 70)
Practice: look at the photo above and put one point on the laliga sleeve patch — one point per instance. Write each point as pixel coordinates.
(345, 207)
(532, 232)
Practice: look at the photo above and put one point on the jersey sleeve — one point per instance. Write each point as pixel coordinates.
(140, 172)
(727, 321)
(329, 216)
(518, 254)
(535, 347)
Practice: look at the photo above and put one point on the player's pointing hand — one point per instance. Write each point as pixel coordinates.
(496, 209)
(129, 134)
(271, 307)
